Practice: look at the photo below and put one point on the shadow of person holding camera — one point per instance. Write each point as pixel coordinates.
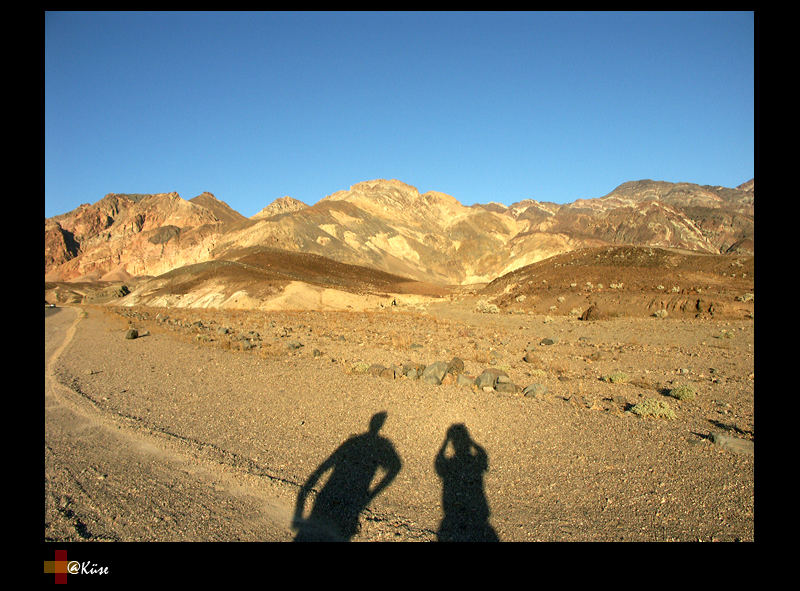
(466, 511)
(335, 514)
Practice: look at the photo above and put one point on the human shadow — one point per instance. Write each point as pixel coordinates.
(334, 516)
(466, 510)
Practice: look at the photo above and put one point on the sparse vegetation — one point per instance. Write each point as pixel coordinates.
(652, 407)
(616, 377)
(485, 307)
(683, 392)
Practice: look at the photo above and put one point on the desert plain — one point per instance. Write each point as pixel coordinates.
(369, 414)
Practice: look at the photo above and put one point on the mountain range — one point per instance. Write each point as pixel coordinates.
(389, 226)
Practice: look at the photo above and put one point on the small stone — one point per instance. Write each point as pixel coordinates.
(549, 341)
(506, 387)
(456, 366)
(434, 373)
(464, 380)
(744, 446)
(489, 377)
(535, 390)
(132, 333)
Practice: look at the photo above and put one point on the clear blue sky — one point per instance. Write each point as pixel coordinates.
(486, 106)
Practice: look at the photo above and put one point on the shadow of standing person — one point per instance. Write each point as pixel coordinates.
(335, 514)
(466, 511)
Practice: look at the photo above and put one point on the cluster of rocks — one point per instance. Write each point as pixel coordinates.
(441, 373)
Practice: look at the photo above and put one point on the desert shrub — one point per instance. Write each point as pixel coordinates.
(652, 407)
(359, 367)
(617, 377)
(486, 308)
(683, 392)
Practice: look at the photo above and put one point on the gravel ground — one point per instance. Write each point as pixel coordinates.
(182, 434)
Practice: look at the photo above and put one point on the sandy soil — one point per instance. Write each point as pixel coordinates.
(195, 433)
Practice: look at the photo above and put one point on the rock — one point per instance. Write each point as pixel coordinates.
(456, 366)
(388, 373)
(434, 373)
(506, 387)
(535, 390)
(412, 370)
(293, 345)
(223, 330)
(316, 353)
(132, 333)
(464, 380)
(375, 369)
(744, 446)
(530, 357)
(489, 377)
(549, 341)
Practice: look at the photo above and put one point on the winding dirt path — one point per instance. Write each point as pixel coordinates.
(109, 477)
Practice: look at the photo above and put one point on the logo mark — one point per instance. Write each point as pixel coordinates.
(61, 567)
(58, 567)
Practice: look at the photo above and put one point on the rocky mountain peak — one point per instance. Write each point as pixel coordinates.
(280, 205)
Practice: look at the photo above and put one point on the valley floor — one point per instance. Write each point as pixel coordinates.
(236, 425)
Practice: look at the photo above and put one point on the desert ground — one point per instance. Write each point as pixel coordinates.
(314, 424)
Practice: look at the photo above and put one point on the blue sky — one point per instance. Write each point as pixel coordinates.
(484, 106)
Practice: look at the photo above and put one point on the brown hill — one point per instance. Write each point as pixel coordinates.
(629, 281)
(255, 276)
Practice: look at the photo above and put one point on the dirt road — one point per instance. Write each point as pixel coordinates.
(109, 477)
(164, 438)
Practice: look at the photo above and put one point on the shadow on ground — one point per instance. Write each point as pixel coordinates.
(466, 510)
(336, 510)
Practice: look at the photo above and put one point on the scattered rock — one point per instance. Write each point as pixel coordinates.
(388, 373)
(456, 366)
(132, 333)
(535, 390)
(506, 387)
(489, 377)
(744, 446)
(464, 380)
(434, 373)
